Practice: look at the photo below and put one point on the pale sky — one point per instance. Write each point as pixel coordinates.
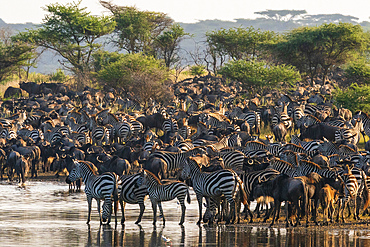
(189, 11)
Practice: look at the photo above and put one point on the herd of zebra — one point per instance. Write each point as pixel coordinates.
(212, 144)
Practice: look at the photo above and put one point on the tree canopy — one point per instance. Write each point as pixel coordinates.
(319, 49)
(72, 32)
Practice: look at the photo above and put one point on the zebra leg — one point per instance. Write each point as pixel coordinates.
(98, 205)
(357, 208)
(232, 213)
(142, 208)
(183, 208)
(154, 206)
(123, 204)
(199, 199)
(161, 212)
(89, 201)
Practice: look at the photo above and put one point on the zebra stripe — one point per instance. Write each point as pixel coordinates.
(101, 187)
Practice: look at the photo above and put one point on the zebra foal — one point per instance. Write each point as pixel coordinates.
(159, 192)
(99, 187)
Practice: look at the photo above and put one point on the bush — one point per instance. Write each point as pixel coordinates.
(59, 76)
(139, 76)
(197, 70)
(256, 76)
(358, 70)
(354, 98)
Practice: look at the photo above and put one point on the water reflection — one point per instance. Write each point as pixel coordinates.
(43, 215)
(234, 235)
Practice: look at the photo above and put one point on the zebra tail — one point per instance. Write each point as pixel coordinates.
(244, 197)
(366, 192)
(115, 195)
(188, 199)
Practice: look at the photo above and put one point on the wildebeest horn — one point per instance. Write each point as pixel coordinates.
(97, 158)
(62, 149)
(64, 156)
(250, 162)
(89, 151)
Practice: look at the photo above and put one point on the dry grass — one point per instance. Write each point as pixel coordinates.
(3, 87)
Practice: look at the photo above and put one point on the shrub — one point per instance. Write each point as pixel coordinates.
(257, 76)
(142, 77)
(197, 70)
(358, 70)
(59, 76)
(354, 98)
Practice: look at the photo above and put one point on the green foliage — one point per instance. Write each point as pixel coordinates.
(315, 50)
(358, 70)
(59, 76)
(72, 32)
(197, 70)
(142, 77)
(166, 44)
(257, 76)
(12, 56)
(38, 77)
(354, 98)
(239, 43)
(136, 30)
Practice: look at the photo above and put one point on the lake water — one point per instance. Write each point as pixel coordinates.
(46, 214)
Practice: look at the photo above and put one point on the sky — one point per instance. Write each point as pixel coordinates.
(190, 11)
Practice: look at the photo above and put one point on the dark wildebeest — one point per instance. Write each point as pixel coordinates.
(284, 188)
(319, 131)
(279, 132)
(12, 92)
(22, 168)
(116, 164)
(157, 166)
(32, 88)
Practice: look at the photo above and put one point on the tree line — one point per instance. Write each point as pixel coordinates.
(148, 50)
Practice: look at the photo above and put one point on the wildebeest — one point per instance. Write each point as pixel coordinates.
(284, 188)
(328, 197)
(280, 132)
(13, 92)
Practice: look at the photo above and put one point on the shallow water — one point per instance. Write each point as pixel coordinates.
(46, 214)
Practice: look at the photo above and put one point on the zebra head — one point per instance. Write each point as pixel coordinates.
(75, 173)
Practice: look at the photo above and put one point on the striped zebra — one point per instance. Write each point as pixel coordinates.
(183, 145)
(131, 193)
(36, 135)
(80, 128)
(232, 159)
(282, 117)
(253, 119)
(306, 167)
(98, 133)
(283, 167)
(170, 125)
(221, 182)
(350, 192)
(176, 161)
(250, 180)
(123, 130)
(351, 135)
(99, 187)
(159, 192)
(184, 130)
(300, 149)
(365, 122)
(309, 146)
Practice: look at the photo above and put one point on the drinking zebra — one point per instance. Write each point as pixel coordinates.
(131, 193)
(99, 187)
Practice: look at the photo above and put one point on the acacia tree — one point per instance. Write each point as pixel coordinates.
(166, 44)
(316, 50)
(136, 30)
(239, 43)
(72, 32)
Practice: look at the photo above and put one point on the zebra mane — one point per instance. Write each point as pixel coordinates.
(282, 161)
(89, 165)
(310, 163)
(153, 176)
(113, 116)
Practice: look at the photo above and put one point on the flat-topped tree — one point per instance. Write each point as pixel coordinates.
(72, 32)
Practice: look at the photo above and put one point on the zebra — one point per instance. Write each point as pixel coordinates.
(221, 182)
(98, 133)
(99, 187)
(351, 191)
(232, 159)
(183, 145)
(176, 161)
(365, 122)
(300, 149)
(350, 135)
(131, 193)
(159, 192)
(283, 167)
(170, 126)
(306, 167)
(309, 146)
(253, 119)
